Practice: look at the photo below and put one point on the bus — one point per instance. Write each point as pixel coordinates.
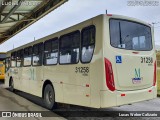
(2, 66)
(108, 60)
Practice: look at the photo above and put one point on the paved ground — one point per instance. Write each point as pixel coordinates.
(24, 102)
(12, 102)
(151, 105)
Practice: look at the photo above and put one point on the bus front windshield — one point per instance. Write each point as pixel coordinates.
(130, 35)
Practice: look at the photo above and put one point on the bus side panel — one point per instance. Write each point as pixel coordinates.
(75, 79)
(17, 79)
(7, 77)
(52, 74)
(25, 78)
(13, 72)
(96, 65)
(108, 98)
(35, 86)
(74, 85)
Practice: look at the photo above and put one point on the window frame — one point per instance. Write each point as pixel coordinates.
(51, 40)
(39, 53)
(120, 19)
(76, 31)
(21, 58)
(29, 55)
(9, 63)
(15, 52)
(86, 28)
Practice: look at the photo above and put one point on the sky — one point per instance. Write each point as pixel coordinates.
(76, 11)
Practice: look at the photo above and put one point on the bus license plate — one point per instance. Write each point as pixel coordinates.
(136, 80)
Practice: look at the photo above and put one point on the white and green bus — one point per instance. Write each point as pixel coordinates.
(106, 61)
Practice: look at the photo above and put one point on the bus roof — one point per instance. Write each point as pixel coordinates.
(61, 31)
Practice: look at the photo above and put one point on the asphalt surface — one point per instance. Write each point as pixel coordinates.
(12, 102)
(20, 101)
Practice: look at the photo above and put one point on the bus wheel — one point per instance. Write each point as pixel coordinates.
(11, 85)
(49, 98)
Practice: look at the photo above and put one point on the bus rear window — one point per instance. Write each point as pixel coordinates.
(130, 35)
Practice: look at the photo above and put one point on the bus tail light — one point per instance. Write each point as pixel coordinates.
(155, 74)
(109, 75)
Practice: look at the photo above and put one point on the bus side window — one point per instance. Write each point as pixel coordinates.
(37, 54)
(13, 59)
(69, 48)
(51, 52)
(19, 58)
(7, 64)
(88, 43)
(27, 56)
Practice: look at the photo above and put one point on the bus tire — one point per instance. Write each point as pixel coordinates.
(49, 97)
(11, 86)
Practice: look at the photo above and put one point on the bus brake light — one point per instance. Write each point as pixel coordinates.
(155, 74)
(109, 75)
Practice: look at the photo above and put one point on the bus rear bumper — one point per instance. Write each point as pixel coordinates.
(118, 98)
